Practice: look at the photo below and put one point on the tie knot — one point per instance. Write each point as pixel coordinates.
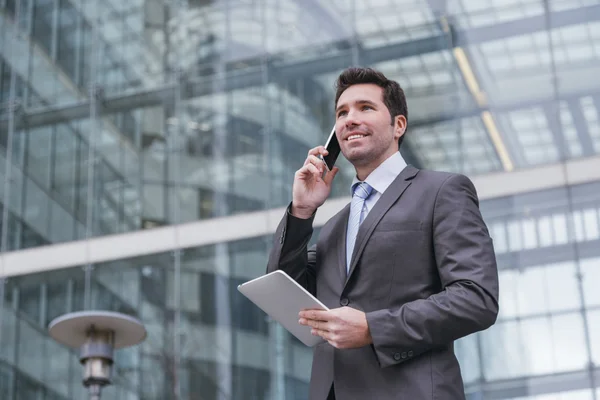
(363, 190)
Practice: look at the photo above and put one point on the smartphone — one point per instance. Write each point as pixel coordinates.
(333, 147)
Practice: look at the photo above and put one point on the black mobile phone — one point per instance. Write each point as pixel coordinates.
(333, 147)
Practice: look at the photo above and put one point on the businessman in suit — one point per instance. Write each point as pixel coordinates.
(406, 268)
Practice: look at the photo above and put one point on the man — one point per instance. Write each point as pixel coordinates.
(406, 269)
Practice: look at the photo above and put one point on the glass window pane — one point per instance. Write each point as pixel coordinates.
(590, 220)
(590, 269)
(515, 236)
(578, 226)
(509, 294)
(498, 234)
(545, 341)
(560, 228)
(581, 394)
(532, 291)
(567, 333)
(546, 231)
(468, 356)
(31, 345)
(529, 234)
(594, 326)
(502, 351)
(8, 338)
(562, 288)
(537, 346)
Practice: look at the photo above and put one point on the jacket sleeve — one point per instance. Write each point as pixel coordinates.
(468, 273)
(290, 251)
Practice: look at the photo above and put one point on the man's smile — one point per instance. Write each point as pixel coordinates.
(355, 137)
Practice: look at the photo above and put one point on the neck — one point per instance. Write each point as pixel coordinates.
(363, 171)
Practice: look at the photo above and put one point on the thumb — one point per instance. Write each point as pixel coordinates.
(330, 175)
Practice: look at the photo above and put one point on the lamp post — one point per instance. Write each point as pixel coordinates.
(97, 334)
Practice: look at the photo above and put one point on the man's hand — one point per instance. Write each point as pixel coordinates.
(310, 189)
(343, 328)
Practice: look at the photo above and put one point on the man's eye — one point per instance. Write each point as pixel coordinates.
(341, 113)
(367, 108)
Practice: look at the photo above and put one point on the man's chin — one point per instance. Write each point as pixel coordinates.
(358, 159)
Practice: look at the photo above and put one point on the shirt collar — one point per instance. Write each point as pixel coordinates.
(385, 173)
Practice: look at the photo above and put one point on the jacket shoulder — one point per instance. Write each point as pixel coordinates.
(437, 178)
(447, 182)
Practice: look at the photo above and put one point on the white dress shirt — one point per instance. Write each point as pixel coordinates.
(380, 179)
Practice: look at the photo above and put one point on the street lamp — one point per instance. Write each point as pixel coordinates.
(96, 334)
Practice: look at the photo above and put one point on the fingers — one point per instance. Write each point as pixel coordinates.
(330, 175)
(316, 315)
(320, 325)
(310, 169)
(319, 321)
(330, 337)
(319, 150)
(317, 162)
(313, 159)
(319, 332)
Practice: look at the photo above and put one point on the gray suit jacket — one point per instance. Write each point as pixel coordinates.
(423, 271)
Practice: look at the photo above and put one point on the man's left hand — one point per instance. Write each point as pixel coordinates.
(343, 328)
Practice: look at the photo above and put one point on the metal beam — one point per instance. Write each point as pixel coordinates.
(505, 108)
(549, 255)
(43, 117)
(596, 100)
(581, 126)
(552, 114)
(528, 25)
(282, 71)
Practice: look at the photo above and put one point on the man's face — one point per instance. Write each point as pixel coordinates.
(363, 126)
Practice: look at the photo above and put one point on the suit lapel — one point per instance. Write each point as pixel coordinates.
(385, 202)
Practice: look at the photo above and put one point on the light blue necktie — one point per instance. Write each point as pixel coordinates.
(362, 191)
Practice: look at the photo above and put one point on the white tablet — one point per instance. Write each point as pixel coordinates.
(282, 298)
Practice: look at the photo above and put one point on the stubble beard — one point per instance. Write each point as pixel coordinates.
(370, 156)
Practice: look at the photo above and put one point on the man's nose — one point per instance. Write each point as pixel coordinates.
(352, 119)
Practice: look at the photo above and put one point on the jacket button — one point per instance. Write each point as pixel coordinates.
(403, 354)
(410, 353)
(397, 356)
(344, 302)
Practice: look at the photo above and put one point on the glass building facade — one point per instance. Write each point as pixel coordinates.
(147, 149)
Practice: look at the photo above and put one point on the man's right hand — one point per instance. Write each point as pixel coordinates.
(310, 189)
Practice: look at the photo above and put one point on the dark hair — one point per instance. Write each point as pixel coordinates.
(393, 95)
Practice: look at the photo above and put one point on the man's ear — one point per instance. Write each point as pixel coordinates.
(399, 126)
